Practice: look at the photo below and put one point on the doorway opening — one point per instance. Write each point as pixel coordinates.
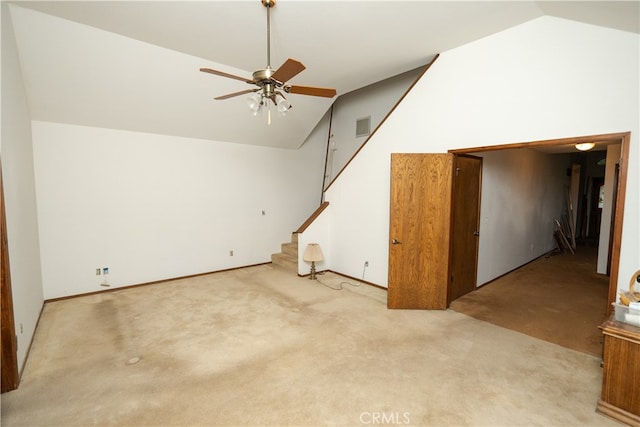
(582, 266)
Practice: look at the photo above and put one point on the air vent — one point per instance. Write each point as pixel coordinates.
(363, 127)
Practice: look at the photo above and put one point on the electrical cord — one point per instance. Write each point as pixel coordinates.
(341, 285)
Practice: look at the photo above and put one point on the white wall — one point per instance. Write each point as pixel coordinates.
(373, 101)
(153, 207)
(523, 191)
(19, 192)
(536, 81)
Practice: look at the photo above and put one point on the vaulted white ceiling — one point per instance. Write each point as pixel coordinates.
(135, 65)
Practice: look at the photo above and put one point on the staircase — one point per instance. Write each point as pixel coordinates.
(288, 258)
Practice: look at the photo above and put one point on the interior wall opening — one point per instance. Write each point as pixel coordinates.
(588, 215)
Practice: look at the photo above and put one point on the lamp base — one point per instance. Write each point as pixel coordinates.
(312, 276)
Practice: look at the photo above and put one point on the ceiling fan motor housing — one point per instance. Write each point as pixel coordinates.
(263, 76)
(263, 79)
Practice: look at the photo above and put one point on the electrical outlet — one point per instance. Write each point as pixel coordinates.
(264, 213)
(366, 263)
(230, 253)
(21, 329)
(98, 271)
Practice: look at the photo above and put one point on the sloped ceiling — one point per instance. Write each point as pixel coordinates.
(135, 65)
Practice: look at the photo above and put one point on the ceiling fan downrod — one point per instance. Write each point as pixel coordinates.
(268, 4)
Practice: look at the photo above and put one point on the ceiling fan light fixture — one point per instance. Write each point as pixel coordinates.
(283, 105)
(271, 82)
(254, 102)
(585, 146)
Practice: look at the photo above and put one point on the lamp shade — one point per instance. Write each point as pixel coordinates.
(313, 253)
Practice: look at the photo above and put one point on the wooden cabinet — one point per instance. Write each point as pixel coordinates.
(620, 398)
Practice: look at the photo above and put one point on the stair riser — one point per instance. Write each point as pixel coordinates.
(288, 258)
(290, 249)
(284, 263)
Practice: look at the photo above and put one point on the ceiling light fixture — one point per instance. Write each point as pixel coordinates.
(283, 105)
(272, 83)
(255, 103)
(585, 146)
(264, 77)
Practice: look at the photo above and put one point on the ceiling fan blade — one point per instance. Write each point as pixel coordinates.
(231, 95)
(289, 69)
(223, 74)
(313, 91)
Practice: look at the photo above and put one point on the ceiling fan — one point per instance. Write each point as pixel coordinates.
(272, 83)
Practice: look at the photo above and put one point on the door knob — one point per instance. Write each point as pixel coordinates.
(476, 233)
(395, 242)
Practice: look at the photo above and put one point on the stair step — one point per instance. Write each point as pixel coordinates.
(288, 258)
(290, 249)
(286, 261)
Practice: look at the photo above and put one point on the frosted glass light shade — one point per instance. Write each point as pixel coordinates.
(585, 146)
(254, 102)
(283, 106)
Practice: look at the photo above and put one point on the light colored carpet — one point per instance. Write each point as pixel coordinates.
(260, 346)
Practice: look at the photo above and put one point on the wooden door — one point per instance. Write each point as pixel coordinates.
(420, 222)
(465, 225)
(614, 198)
(9, 345)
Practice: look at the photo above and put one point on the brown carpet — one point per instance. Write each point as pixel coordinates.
(558, 298)
(261, 346)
